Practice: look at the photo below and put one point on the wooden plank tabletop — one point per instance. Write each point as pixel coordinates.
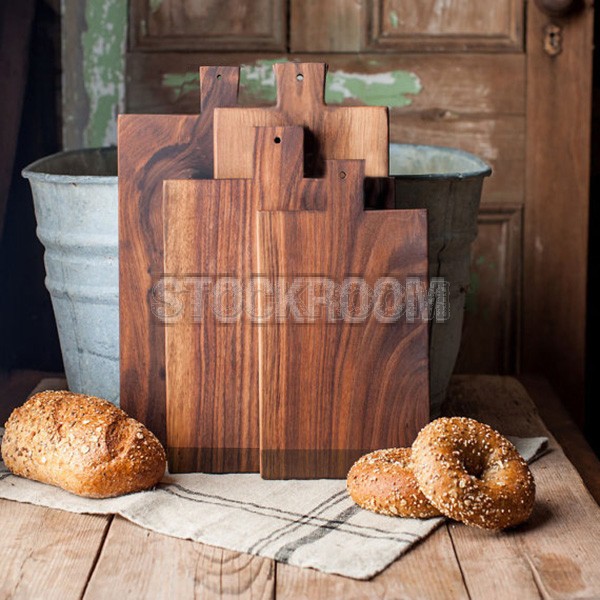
(51, 553)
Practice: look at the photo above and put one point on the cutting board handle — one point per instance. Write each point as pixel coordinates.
(280, 181)
(218, 87)
(278, 166)
(300, 87)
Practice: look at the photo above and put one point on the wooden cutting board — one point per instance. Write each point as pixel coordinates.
(331, 132)
(331, 389)
(153, 148)
(212, 359)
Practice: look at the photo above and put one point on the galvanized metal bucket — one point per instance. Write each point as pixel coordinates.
(76, 206)
(448, 183)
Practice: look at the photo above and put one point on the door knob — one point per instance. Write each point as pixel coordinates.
(559, 8)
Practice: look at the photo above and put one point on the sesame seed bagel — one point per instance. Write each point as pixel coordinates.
(383, 482)
(473, 474)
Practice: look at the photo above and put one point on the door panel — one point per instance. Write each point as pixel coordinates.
(492, 306)
(208, 24)
(398, 25)
(331, 26)
(442, 25)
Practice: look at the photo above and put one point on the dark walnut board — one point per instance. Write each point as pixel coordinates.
(213, 367)
(334, 388)
(153, 148)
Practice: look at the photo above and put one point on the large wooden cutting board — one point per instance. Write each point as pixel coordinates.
(331, 389)
(331, 132)
(212, 358)
(153, 148)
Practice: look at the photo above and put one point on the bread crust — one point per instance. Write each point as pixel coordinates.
(82, 444)
(383, 482)
(473, 474)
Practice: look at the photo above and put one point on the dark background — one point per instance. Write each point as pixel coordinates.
(27, 329)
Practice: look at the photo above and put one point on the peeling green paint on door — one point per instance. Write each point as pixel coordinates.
(257, 83)
(390, 88)
(258, 80)
(103, 45)
(181, 83)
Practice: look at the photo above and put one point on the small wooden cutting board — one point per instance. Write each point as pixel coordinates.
(331, 132)
(153, 148)
(337, 381)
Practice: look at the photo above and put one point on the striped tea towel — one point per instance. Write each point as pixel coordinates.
(310, 523)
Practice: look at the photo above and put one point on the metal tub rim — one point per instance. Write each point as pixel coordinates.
(478, 167)
(39, 170)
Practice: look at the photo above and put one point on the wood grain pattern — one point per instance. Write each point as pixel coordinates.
(430, 570)
(555, 554)
(167, 567)
(208, 25)
(334, 26)
(393, 25)
(492, 306)
(464, 102)
(211, 357)
(227, 440)
(557, 207)
(151, 149)
(437, 25)
(211, 379)
(334, 385)
(47, 553)
(465, 84)
(557, 419)
(212, 365)
(336, 132)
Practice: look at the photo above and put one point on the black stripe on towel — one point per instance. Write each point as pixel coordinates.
(299, 522)
(318, 533)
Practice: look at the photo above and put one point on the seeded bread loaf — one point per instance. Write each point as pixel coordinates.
(82, 444)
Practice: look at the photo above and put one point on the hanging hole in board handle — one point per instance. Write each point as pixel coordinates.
(342, 174)
(277, 140)
(219, 76)
(299, 77)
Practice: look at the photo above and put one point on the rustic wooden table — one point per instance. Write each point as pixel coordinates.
(47, 553)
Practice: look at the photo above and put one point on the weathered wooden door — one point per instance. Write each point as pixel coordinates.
(504, 79)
